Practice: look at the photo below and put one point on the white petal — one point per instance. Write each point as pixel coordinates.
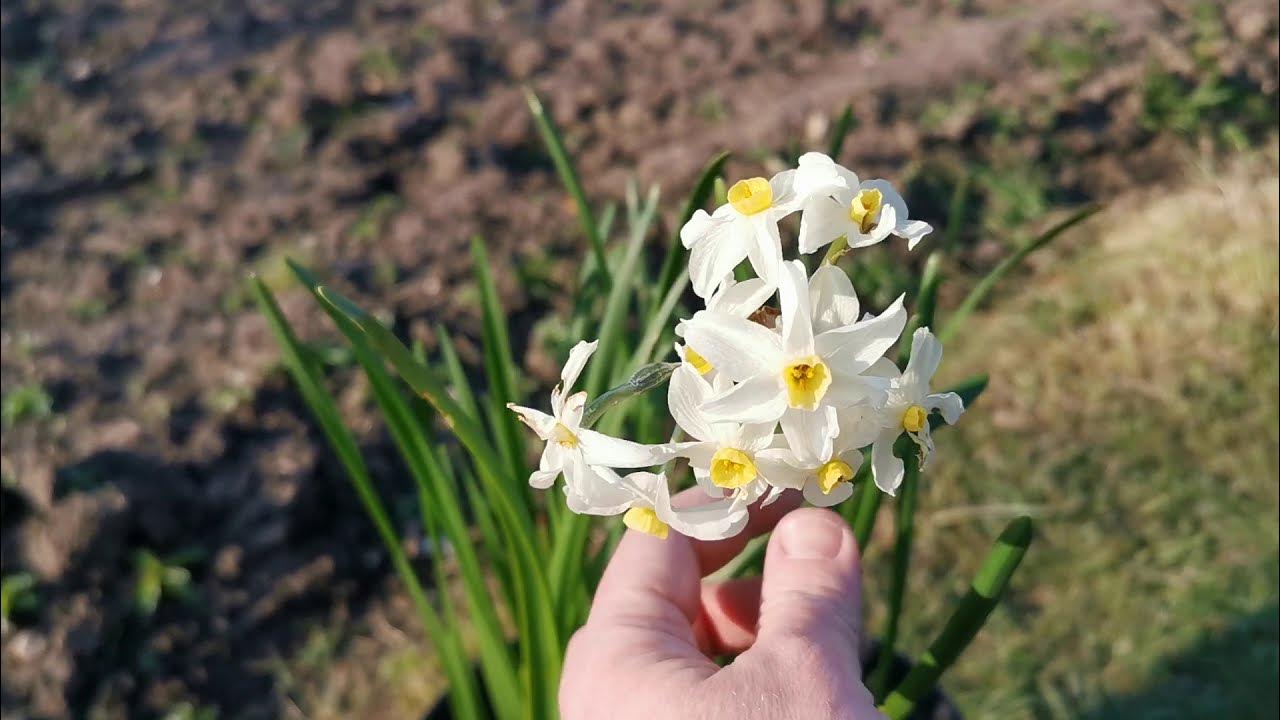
(886, 467)
(699, 454)
(772, 496)
(741, 298)
(848, 390)
(810, 434)
(600, 449)
(884, 368)
(892, 200)
(540, 422)
(764, 247)
(571, 411)
(760, 399)
(599, 493)
(550, 465)
(854, 348)
(686, 393)
(736, 346)
(785, 199)
(822, 221)
(578, 357)
(859, 427)
(926, 355)
(914, 231)
(817, 175)
(797, 320)
(714, 521)
(834, 301)
(699, 226)
(714, 257)
(778, 466)
(813, 493)
(949, 404)
(756, 436)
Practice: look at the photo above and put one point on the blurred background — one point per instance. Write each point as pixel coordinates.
(177, 541)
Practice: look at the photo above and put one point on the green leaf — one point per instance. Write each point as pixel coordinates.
(984, 287)
(839, 131)
(441, 508)
(615, 309)
(969, 617)
(464, 698)
(569, 177)
(500, 370)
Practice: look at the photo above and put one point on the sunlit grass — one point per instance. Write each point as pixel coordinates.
(1132, 411)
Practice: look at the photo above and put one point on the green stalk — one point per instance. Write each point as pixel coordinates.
(984, 287)
(970, 615)
(569, 177)
(907, 496)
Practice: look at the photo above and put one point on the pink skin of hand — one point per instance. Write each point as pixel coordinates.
(645, 651)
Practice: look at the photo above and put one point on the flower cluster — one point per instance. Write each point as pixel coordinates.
(769, 399)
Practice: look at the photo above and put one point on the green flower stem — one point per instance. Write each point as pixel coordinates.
(907, 496)
(968, 618)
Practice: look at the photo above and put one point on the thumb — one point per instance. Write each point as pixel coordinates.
(811, 596)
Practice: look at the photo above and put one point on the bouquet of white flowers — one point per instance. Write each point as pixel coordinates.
(765, 398)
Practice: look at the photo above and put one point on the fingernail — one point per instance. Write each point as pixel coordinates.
(811, 535)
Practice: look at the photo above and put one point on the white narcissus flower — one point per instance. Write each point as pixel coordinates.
(722, 454)
(576, 451)
(797, 376)
(822, 474)
(907, 409)
(646, 501)
(865, 213)
(739, 299)
(744, 227)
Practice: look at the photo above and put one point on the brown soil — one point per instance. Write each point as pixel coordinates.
(155, 152)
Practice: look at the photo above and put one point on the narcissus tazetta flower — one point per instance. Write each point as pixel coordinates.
(745, 227)
(739, 299)
(794, 375)
(907, 408)
(721, 454)
(573, 450)
(865, 212)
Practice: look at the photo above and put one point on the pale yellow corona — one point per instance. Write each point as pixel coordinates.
(807, 381)
(645, 520)
(751, 196)
(731, 468)
(564, 436)
(865, 209)
(696, 361)
(914, 418)
(832, 473)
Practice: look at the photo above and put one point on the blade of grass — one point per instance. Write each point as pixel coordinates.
(839, 131)
(500, 370)
(569, 178)
(984, 287)
(970, 615)
(615, 309)
(674, 262)
(458, 383)
(464, 697)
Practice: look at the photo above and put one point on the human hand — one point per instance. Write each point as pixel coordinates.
(645, 651)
